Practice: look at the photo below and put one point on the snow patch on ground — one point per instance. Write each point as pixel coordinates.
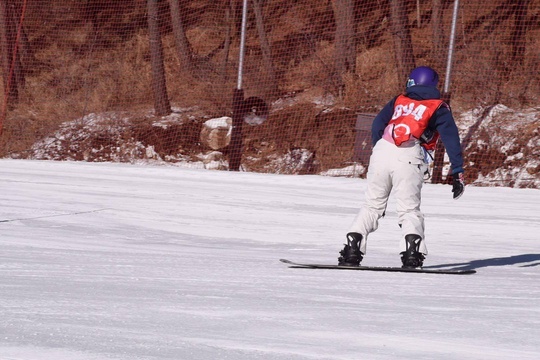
(502, 144)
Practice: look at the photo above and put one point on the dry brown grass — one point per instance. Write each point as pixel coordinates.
(329, 135)
(73, 77)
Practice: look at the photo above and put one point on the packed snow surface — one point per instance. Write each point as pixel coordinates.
(114, 261)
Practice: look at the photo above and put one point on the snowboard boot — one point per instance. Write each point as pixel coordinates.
(351, 255)
(412, 257)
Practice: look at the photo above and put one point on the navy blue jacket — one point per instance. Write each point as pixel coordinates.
(442, 121)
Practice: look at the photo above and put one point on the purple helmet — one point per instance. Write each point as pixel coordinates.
(423, 75)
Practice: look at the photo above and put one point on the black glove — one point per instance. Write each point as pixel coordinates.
(458, 185)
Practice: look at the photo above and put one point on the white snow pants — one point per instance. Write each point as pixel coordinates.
(400, 169)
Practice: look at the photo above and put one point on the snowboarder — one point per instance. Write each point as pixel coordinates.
(404, 134)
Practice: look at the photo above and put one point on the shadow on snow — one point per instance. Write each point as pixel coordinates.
(526, 260)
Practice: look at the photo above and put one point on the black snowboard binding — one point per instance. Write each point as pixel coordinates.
(351, 254)
(412, 257)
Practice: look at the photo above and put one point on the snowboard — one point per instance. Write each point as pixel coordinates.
(448, 271)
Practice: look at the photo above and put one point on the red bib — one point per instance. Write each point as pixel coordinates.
(410, 118)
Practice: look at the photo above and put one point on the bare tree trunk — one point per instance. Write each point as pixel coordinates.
(403, 48)
(418, 18)
(229, 20)
(8, 31)
(183, 47)
(159, 85)
(18, 41)
(237, 137)
(438, 33)
(265, 47)
(26, 52)
(519, 30)
(345, 40)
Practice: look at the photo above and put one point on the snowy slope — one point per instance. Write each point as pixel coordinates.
(116, 261)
